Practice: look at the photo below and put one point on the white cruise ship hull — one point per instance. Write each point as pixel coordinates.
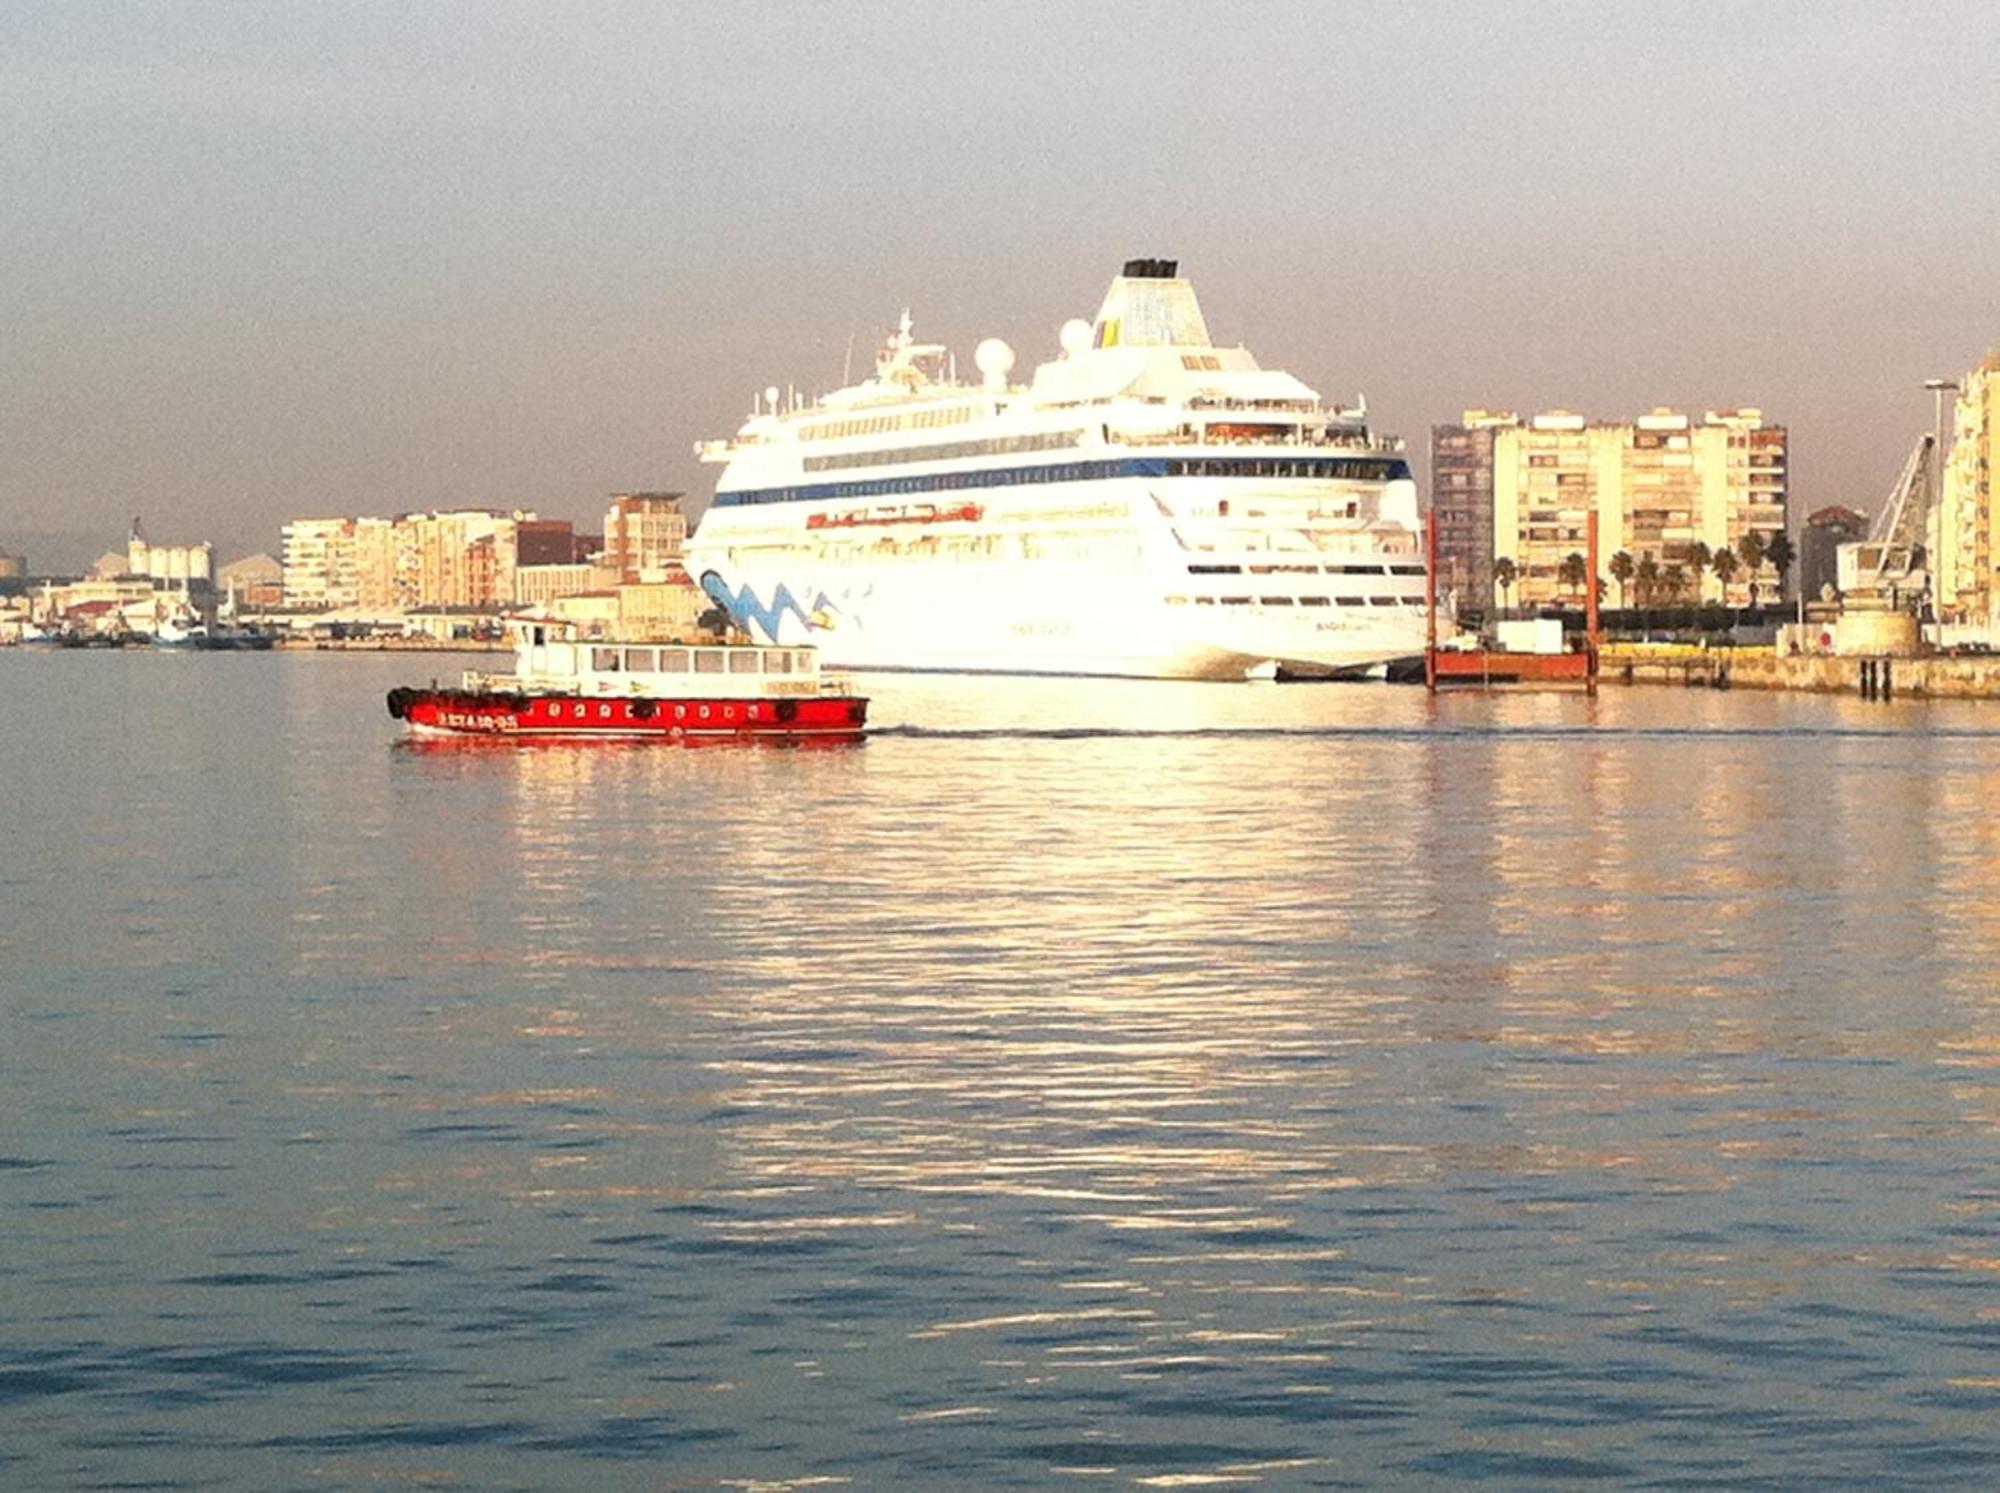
(1131, 603)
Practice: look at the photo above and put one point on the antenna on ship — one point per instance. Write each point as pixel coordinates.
(847, 363)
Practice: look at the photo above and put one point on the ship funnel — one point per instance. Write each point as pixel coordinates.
(1149, 305)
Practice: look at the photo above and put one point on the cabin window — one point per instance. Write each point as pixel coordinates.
(673, 660)
(1275, 601)
(744, 662)
(1312, 601)
(604, 660)
(778, 661)
(707, 661)
(1381, 601)
(638, 660)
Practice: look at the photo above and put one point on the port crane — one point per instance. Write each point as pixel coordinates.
(1890, 568)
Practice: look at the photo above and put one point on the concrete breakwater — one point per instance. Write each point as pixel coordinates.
(1940, 677)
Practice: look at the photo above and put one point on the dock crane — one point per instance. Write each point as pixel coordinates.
(1889, 570)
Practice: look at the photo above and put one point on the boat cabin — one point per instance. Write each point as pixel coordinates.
(548, 660)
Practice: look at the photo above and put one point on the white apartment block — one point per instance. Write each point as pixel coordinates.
(382, 566)
(1659, 484)
(1964, 541)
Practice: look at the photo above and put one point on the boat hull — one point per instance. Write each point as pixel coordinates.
(1045, 618)
(570, 717)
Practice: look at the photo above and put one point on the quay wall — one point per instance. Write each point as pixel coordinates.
(1936, 678)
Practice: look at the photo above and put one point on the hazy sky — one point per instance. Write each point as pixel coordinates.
(259, 260)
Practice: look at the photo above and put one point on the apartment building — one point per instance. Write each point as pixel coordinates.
(644, 534)
(381, 566)
(1661, 485)
(1964, 542)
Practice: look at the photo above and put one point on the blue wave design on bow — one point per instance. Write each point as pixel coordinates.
(745, 608)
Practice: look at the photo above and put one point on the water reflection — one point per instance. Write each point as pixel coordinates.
(1161, 1084)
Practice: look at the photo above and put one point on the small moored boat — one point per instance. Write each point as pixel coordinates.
(571, 688)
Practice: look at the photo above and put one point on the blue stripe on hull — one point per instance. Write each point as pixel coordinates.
(1326, 468)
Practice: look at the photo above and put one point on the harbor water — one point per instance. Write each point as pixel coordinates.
(1086, 1083)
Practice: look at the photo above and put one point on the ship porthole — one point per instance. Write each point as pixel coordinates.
(680, 713)
(704, 712)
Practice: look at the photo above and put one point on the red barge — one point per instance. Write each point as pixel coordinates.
(578, 689)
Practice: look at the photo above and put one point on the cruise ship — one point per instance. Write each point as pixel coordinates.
(1147, 504)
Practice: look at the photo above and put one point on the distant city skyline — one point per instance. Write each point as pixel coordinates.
(271, 262)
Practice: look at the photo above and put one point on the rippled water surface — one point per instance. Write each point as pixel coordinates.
(1089, 1083)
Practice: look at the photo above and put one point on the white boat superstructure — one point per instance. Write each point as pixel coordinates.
(1147, 504)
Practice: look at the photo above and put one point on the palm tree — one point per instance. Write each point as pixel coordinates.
(1724, 565)
(1780, 554)
(1621, 572)
(1573, 572)
(1697, 560)
(1648, 576)
(1751, 550)
(1674, 578)
(1504, 576)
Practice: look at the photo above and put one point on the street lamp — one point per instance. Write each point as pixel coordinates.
(1934, 499)
(1939, 387)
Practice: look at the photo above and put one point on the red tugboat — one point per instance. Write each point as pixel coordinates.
(577, 689)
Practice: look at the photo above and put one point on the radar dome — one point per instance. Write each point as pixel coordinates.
(1076, 336)
(994, 360)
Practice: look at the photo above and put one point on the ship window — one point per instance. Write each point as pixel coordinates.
(673, 660)
(1275, 601)
(639, 660)
(743, 663)
(1313, 601)
(1204, 601)
(707, 661)
(1381, 601)
(604, 660)
(604, 712)
(1176, 601)
(1354, 601)
(1236, 601)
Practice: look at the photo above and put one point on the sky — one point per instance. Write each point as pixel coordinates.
(268, 260)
